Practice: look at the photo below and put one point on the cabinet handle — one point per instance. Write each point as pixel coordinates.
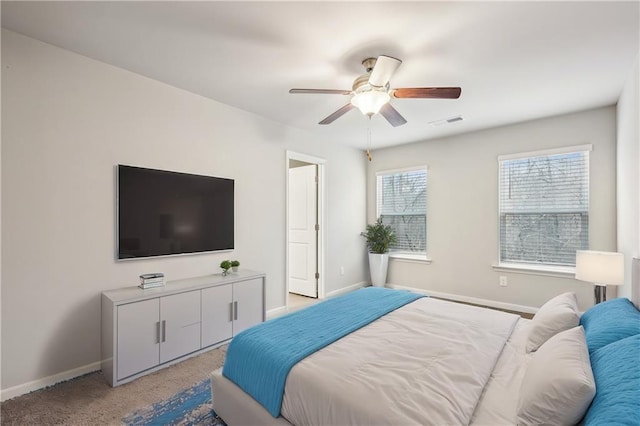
(164, 330)
(235, 310)
(230, 311)
(158, 332)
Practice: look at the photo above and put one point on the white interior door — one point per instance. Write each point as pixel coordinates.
(303, 217)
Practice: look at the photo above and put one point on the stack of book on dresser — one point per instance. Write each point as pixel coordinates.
(151, 280)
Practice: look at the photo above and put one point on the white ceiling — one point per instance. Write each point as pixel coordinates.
(515, 61)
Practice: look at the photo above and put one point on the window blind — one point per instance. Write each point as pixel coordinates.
(544, 208)
(402, 203)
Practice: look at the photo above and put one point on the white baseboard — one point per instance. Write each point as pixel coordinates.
(12, 392)
(347, 289)
(468, 299)
(276, 312)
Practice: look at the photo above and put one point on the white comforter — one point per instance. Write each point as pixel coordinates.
(425, 363)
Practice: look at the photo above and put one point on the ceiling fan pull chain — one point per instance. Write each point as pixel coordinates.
(369, 139)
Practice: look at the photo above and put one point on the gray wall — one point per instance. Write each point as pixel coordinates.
(67, 121)
(462, 206)
(628, 155)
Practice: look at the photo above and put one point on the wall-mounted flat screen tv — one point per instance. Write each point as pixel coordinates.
(161, 213)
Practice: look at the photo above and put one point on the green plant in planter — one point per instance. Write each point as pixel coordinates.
(380, 237)
(225, 265)
(234, 265)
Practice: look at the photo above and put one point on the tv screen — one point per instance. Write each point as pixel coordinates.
(164, 213)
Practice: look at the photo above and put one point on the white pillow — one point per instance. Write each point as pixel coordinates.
(558, 385)
(558, 314)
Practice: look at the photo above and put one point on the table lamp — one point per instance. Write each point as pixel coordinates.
(601, 268)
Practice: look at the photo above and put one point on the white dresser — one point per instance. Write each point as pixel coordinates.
(145, 330)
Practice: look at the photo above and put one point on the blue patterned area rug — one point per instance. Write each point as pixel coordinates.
(191, 406)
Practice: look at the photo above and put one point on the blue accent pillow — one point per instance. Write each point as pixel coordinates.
(616, 369)
(610, 321)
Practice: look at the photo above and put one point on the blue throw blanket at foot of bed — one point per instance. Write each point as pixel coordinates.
(260, 358)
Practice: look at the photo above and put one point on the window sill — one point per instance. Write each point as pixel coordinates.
(544, 270)
(410, 258)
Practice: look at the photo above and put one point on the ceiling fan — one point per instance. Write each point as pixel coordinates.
(371, 92)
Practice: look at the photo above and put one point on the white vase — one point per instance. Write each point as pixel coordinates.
(378, 264)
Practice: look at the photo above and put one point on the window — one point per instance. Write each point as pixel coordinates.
(402, 204)
(544, 206)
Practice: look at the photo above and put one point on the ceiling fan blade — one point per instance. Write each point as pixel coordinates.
(428, 92)
(339, 113)
(322, 91)
(392, 115)
(383, 70)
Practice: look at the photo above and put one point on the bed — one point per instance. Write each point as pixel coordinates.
(430, 361)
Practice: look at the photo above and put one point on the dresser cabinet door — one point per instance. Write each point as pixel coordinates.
(138, 337)
(248, 301)
(180, 327)
(217, 314)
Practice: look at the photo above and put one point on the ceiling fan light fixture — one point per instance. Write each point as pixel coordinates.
(370, 102)
(371, 92)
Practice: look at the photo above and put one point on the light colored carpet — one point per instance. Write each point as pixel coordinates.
(296, 301)
(89, 400)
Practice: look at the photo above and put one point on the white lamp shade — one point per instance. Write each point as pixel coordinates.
(600, 267)
(371, 101)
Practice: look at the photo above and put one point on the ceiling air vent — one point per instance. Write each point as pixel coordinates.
(446, 121)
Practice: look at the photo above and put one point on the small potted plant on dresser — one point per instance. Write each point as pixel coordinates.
(234, 265)
(379, 238)
(225, 265)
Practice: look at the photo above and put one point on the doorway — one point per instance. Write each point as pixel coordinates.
(305, 230)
